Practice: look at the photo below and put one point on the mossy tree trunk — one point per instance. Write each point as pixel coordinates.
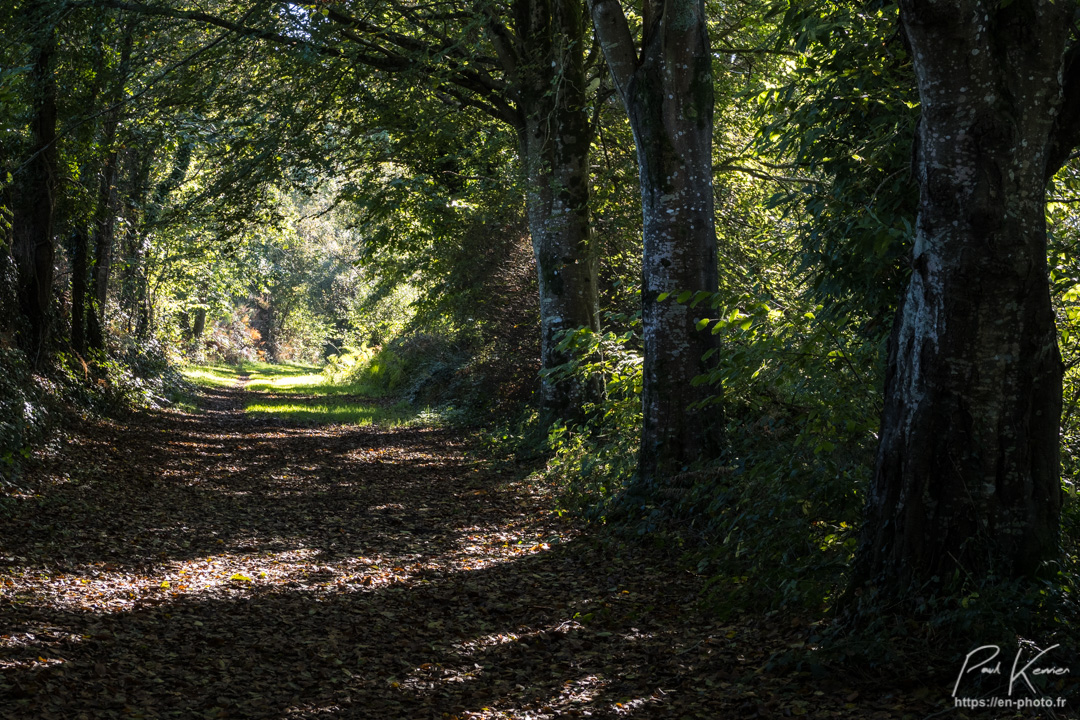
(667, 89)
(554, 141)
(967, 475)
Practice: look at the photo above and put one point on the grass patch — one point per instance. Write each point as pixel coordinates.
(303, 394)
(318, 410)
(287, 378)
(212, 376)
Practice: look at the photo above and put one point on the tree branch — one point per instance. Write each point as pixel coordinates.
(503, 40)
(208, 19)
(372, 53)
(616, 41)
(500, 111)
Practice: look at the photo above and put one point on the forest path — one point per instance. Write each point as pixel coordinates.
(216, 565)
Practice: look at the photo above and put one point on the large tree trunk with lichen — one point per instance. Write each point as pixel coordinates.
(667, 89)
(967, 482)
(554, 141)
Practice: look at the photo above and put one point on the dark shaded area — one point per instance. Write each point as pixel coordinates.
(473, 598)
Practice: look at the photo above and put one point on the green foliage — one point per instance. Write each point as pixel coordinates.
(383, 310)
(109, 384)
(375, 371)
(23, 413)
(800, 386)
(775, 519)
(846, 113)
(1064, 263)
(31, 404)
(880, 631)
(423, 370)
(594, 461)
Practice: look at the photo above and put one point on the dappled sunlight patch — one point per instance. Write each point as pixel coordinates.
(105, 588)
(630, 707)
(580, 692)
(318, 409)
(523, 635)
(479, 550)
(288, 384)
(430, 676)
(211, 376)
(242, 567)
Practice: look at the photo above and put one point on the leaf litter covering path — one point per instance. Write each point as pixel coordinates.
(217, 566)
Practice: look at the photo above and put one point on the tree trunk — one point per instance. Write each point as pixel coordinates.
(967, 475)
(198, 326)
(80, 252)
(130, 262)
(667, 89)
(554, 139)
(107, 210)
(104, 230)
(32, 222)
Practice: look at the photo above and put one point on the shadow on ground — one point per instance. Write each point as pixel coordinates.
(213, 565)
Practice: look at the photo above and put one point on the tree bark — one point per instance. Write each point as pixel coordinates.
(103, 234)
(667, 90)
(32, 221)
(80, 253)
(967, 482)
(104, 227)
(554, 141)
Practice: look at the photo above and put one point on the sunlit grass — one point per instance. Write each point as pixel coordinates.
(286, 378)
(301, 393)
(212, 376)
(330, 411)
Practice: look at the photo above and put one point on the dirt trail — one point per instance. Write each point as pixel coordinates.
(212, 565)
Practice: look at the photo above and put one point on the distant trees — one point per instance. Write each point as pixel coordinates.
(73, 169)
(523, 65)
(104, 112)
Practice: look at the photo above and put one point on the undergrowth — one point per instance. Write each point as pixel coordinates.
(774, 519)
(774, 522)
(33, 404)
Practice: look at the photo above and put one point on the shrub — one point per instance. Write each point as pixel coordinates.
(593, 461)
(23, 413)
(775, 517)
